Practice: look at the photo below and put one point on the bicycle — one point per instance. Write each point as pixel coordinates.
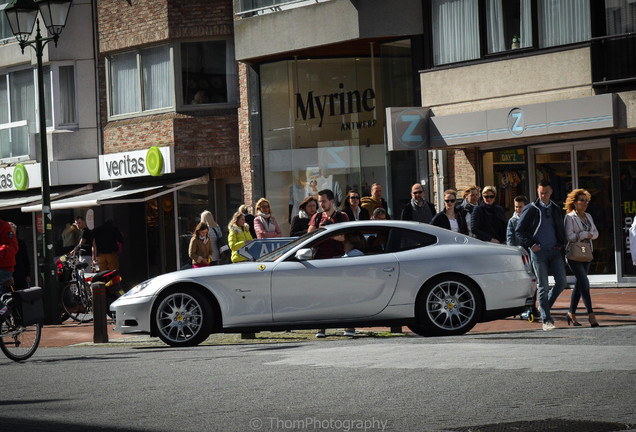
(76, 295)
(21, 329)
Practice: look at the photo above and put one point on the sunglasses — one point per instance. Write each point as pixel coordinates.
(417, 192)
(489, 197)
(354, 197)
(449, 200)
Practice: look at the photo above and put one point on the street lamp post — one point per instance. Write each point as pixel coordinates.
(22, 16)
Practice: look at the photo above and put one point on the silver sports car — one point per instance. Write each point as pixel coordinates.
(435, 281)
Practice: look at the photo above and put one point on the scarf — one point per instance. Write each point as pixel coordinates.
(268, 222)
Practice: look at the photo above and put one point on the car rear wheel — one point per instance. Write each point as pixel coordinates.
(447, 306)
(183, 318)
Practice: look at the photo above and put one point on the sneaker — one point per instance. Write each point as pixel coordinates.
(350, 332)
(548, 325)
(321, 333)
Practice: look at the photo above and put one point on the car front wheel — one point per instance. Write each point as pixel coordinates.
(447, 306)
(183, 318)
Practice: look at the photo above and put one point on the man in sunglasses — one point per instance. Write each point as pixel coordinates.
(418, 209)
(541, 230)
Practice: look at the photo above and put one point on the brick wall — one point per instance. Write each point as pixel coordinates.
(130, 23)
(245, 151)
(202, 139)
(462, 168)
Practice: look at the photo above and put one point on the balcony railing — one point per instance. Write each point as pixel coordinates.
(614, 59)
(253, 7)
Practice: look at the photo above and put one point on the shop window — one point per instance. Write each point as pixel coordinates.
(627, 205)
(141, 81)
(507, 171)
(338, 145)
(208, 73)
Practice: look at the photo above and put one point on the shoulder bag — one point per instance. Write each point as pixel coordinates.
(580, 251)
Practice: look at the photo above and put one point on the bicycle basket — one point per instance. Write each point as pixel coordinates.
(29, 303)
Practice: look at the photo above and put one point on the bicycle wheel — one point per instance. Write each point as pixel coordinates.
(77, 302)
(19, 342)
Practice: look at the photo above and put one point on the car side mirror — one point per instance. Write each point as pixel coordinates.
(304, 254)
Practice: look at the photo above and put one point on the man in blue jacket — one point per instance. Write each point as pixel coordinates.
(541, 230)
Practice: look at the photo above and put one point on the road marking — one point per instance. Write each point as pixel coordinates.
(538, 358)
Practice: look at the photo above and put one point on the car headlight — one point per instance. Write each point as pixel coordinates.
(137, 288)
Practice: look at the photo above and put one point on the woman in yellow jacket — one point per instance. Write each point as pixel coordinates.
(239, 235)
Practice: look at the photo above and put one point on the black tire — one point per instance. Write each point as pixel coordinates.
(77, 304)
(19, 342)
(446, 306)
(183, 317)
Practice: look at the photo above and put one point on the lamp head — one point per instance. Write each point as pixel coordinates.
(54, 13)
(21, 15)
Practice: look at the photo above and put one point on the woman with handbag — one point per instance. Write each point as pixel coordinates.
(580, 231)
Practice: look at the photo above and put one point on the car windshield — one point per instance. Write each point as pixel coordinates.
(277, 253)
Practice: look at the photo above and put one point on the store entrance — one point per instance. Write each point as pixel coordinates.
(582, 165)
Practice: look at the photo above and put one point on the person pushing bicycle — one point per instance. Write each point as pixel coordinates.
(8, 251)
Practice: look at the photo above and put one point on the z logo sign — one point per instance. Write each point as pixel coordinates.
(516, 121)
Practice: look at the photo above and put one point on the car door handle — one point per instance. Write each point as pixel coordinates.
(388, 269)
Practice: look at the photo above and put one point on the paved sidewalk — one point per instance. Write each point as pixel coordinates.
(613, 306)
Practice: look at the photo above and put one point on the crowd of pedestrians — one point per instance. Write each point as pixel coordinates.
(539, 227)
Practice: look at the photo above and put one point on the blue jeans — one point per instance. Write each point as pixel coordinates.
(581, 287)
(546, 262)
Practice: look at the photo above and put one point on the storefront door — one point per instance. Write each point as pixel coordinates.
(583, 165)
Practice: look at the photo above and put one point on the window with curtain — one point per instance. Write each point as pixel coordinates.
(455, 30)
(563, 22)
(5, 28)
(22, 95)
(509, 24)
(620, 16)
(48, 107)
(67, 95)
(208, 72)
(128, 84)
(157, 78)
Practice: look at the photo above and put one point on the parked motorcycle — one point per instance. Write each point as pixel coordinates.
(76, 296)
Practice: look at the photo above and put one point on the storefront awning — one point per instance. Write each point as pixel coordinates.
(18, 201)
(122, 194)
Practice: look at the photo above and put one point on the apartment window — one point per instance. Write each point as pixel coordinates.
(620, 16)
(455, 30)
(208, 73)
(141, 81)
(460, 26)
(509, 24)
(5, 28)
(18, 105)
(563, 22)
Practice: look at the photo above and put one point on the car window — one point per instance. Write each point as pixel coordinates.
(375, 241)
(401, 239)
(277, 253)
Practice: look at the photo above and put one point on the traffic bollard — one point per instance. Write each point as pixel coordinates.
(100, 331)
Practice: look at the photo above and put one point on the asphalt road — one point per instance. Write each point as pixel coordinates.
(568, 380)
